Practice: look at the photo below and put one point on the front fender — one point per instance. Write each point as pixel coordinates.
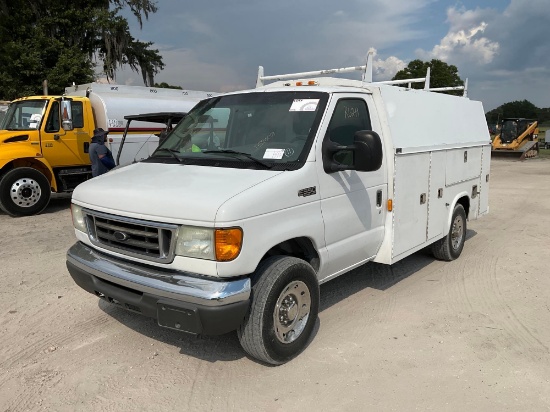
(15, 155)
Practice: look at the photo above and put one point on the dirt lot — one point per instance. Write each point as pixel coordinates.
(426, 335)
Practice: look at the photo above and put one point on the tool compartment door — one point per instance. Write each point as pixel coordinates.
(410, 205)
(484, 181)
(463, 164)
(438, 212)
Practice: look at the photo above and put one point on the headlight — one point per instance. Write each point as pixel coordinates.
(213, 244)
(79, 221)
(195, 242)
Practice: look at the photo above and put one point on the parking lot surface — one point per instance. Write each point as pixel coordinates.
(466, 335)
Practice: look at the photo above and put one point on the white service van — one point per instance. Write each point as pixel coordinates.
(308, 179)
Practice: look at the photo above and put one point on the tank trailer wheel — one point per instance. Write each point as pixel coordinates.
(24, 191)
(450, 247)
(283, 312)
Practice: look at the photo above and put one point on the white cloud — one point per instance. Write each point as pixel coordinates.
(385, 69)
(465, 41)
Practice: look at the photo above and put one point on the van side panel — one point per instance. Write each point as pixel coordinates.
(422, 121)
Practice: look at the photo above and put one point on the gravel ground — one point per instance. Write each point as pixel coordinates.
(423, 334)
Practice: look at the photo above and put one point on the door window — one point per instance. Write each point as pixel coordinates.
(77, 110)
(52, 125)
(350, 116)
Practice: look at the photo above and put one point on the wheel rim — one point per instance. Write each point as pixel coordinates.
(457, 232)
(25, 192)
(292, 311)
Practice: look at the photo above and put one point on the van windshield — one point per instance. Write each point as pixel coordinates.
(250, 130)
(24, 115)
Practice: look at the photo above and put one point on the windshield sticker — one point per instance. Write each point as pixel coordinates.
(274, 153)
(304, 105)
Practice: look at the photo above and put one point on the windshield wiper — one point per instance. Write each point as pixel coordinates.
(247, 155)
(174, 153)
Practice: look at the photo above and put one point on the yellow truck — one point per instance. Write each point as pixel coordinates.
(44, 140)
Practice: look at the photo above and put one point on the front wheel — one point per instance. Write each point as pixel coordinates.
(284, 309)
(24, 191)
(450, 247)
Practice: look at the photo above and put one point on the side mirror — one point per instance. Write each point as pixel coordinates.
(366, 152)
(66, 115)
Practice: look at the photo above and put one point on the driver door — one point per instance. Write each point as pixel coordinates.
(61, 147)
(352, 203)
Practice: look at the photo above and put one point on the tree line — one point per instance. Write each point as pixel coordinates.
(518, 109)
(64, 41)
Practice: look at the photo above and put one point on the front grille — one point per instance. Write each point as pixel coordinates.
(138, 238)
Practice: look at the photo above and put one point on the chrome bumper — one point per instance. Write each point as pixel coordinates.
(169, 284)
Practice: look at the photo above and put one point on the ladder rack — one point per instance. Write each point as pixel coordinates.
(366, 77)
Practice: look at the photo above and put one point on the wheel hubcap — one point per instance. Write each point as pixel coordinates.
(292, 311)
(25, 192)
(457, 232)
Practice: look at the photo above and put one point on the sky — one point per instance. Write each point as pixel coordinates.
(501, 46)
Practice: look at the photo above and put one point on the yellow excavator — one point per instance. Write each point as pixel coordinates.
(517, 137)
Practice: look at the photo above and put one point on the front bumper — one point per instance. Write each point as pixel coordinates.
(177, 300)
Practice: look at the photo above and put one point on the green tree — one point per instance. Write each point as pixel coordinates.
(518, 109)
(60, 40)
(165, 85)
(441, 74)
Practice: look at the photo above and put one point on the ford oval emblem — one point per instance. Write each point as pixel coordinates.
(121, 236)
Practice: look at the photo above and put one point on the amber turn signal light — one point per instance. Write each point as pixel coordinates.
(228, 243)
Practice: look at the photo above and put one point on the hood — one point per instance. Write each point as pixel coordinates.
(167, 192)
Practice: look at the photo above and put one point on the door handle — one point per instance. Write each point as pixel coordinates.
(379, 198)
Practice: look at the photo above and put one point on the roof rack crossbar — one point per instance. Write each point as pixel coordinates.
(366, 78)
(261, 78)
(406, 81)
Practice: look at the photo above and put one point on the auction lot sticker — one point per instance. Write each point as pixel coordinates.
(274, 153)
(304, 105)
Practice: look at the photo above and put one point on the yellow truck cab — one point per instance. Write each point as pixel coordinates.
(44, 140)
(39, 154)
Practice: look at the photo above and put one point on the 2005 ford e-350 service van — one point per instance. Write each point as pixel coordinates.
(258, 197)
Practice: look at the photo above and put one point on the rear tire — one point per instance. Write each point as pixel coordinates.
(283, 312)
(24, 191)
(450, 247)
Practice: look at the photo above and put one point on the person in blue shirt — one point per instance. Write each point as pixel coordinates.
(100, 155)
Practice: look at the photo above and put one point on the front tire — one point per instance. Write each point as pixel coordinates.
(24, 191)
(450, 247)
(284, 309)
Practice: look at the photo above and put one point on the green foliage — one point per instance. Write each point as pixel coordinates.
(60, 40)
(441, 74)
(165, 85)
(518, 109)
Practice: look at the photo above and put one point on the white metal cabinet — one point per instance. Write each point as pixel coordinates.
(437, 209)
(463, 164)
(484, 181)
(410, 204)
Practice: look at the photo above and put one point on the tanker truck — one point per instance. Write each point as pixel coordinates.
(44, 140)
